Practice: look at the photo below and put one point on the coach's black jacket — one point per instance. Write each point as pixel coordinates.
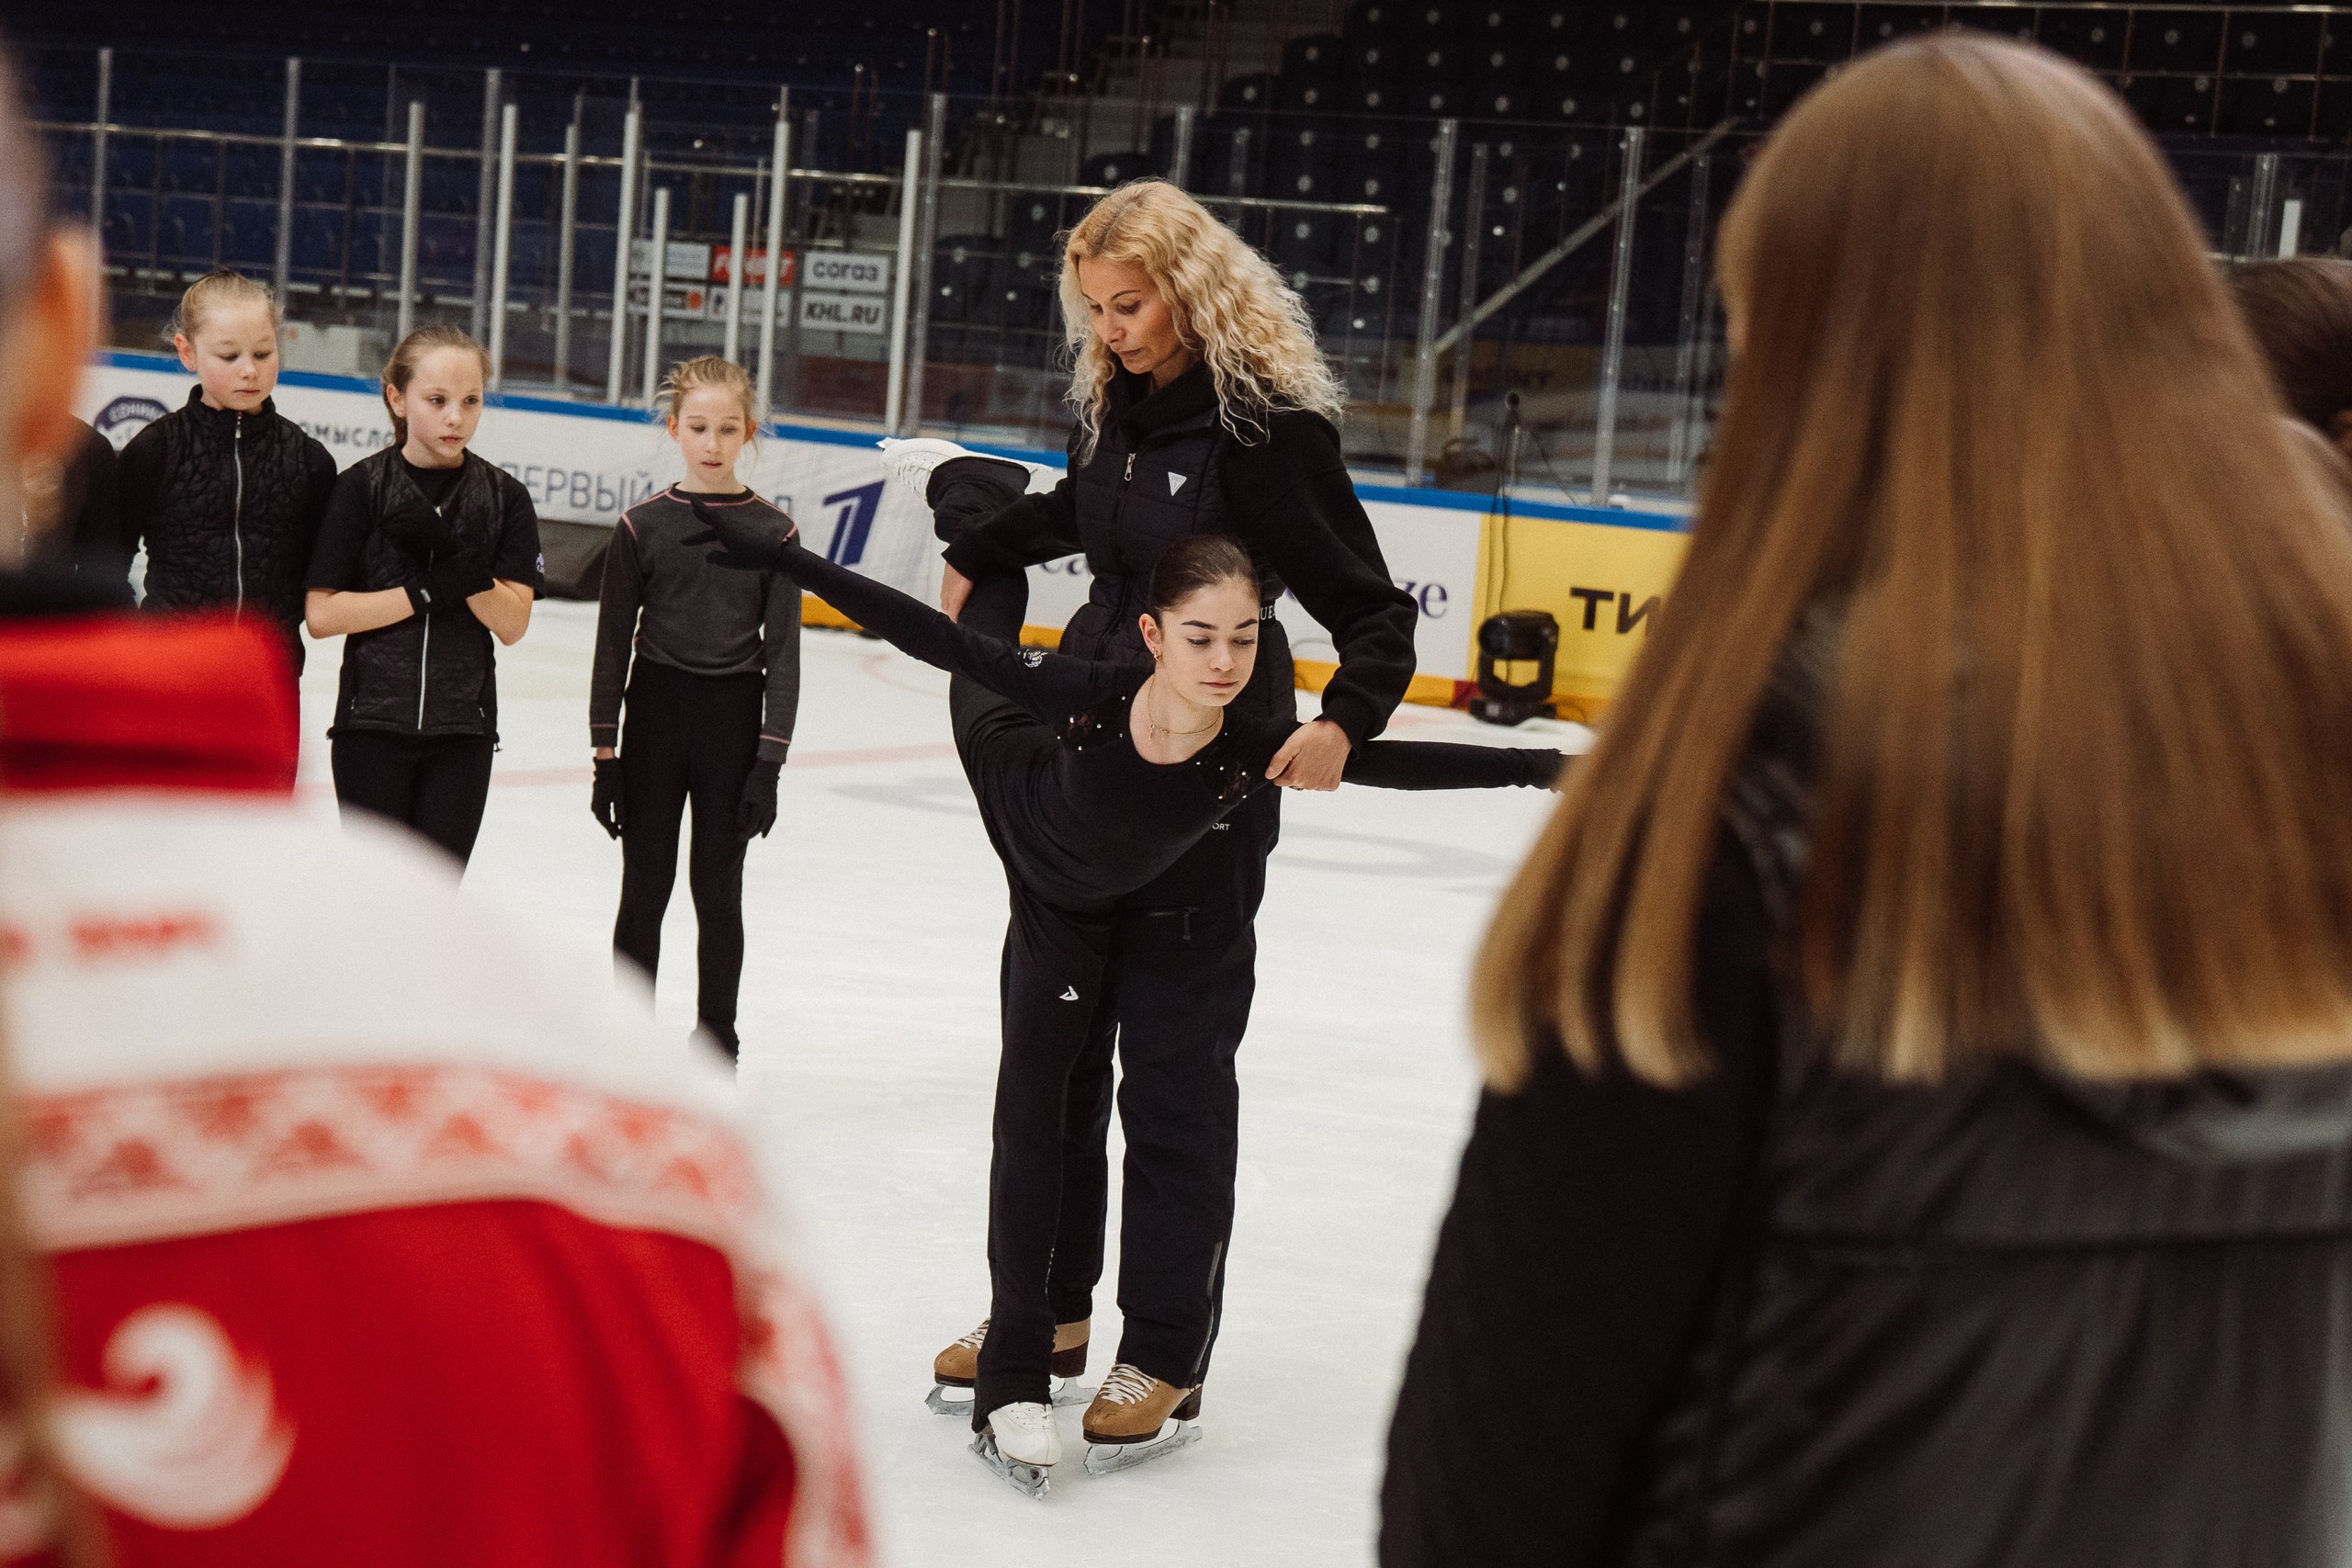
(1164, 467)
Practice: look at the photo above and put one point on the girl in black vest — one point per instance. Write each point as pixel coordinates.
(708, 661)
(1204, 405)
(226, 492)
(1919, 1052)
(427, 553)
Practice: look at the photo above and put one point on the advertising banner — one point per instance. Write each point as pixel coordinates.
(1602, 574)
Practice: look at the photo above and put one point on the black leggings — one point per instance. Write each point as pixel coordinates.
(437, 785)
(687, 737)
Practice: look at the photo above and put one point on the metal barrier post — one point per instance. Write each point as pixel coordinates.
(1474, 231)
(1612, 353)
(567, 250)
(624, 240)
(284, 270)
(503, 247)
(2262, 208)
(99, 146)
(893, 400)
(1695, 300)
(739, 236)
(923, 287)
(1180, 164)
(658, 282)
(483, 202)
(1237, 165)
(1416, 439)
(779, 175)
(411, 199)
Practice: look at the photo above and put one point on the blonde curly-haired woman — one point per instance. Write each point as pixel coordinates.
(1204, 405)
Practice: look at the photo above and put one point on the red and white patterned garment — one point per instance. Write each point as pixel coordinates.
(383, 1235)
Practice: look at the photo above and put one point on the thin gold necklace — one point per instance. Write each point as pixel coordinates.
(1159, 729)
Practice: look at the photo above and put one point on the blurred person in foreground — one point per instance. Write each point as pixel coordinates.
(1919, 1125)
(2300, 310)
(374, 1233)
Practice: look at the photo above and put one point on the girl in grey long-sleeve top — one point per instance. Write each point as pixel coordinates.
(706, 661)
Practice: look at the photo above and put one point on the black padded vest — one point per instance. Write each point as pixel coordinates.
(236, 511)
(425, 675)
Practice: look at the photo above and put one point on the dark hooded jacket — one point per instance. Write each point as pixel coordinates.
(1165, 467)
(228, 505)
(1796, 1318)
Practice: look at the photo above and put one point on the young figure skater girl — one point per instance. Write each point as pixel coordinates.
(226, 492)
(427, 553)
(1094, 776)
(711, 691)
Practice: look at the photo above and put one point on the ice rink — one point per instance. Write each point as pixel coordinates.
(875, 914)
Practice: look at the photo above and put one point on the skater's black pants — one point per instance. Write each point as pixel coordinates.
(1165, 980)
(437, 785)
(687, 738)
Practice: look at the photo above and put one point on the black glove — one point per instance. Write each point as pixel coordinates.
(605, 804)
(415, 526)
(457, 578)
(745, 548)
(448, 583)
(757, 814)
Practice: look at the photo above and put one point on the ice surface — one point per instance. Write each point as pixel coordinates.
(875, 915)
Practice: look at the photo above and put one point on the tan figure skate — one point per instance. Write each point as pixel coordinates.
(1129, 1421)
(958, 1366)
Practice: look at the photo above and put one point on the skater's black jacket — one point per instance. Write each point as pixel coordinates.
(1101, 821)
(1282, 489)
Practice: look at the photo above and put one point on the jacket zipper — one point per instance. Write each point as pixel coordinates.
(423, 669)
(237, 509)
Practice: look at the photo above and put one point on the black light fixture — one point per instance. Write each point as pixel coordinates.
(1516, 636)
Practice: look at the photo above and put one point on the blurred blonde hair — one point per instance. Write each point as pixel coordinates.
(2083, 792)
(709, 371)
(1230, 307)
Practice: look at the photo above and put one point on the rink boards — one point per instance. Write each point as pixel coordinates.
(1602, 573)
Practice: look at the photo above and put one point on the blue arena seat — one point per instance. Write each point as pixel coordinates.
(2266, 107)
(1820, 35)
(2274, 43)
(2093, 38)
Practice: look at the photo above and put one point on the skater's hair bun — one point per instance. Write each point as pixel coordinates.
(222, 286)
(1194, 562)
(400, 368)
(710, 371)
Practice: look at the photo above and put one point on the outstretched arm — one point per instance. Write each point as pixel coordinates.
(1051, 686)
(1440, 764)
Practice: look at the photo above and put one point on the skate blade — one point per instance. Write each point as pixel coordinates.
(1066, 1391)
(1029, 1480)
(1108, 1459)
